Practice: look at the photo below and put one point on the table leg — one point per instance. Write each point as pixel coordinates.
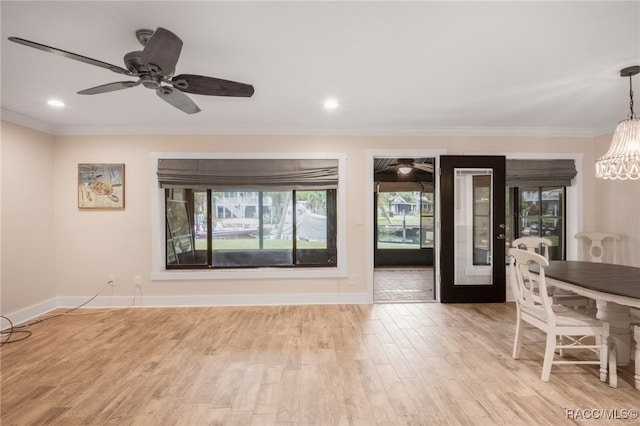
(636, 336)
(618, 317)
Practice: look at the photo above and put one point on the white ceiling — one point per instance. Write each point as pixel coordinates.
(397, 68)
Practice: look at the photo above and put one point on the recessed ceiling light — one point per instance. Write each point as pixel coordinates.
(331, 104)
(55, 103)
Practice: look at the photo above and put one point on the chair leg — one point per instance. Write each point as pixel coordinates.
(549, 352)
(606, 344)
(562, 340)
(604, 358)
(517, 342)
(613, 365)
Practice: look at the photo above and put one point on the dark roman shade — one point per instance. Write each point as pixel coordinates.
(257, 174)
(523, 173)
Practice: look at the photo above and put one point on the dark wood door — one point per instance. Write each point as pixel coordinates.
(472, 229)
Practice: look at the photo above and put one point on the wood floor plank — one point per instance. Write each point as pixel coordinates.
(409, 364)
(381, 408)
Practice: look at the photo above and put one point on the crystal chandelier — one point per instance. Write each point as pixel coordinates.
(622, 161)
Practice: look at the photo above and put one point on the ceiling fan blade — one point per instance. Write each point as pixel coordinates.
(424, 167)
(70, 55)
(202, 85)
(162, 51)
(109, 87)
(386, 169)
(177, 99)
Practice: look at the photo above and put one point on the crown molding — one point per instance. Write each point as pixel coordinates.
(36, 124)
(26, 121)
(333, 131)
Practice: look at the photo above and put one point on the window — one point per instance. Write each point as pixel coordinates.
(229, 229)
(538, 211)
(536, 200)
(405, 220)
(481, 219)
(249, 213)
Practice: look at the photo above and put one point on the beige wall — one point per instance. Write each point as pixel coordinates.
(28, 243)
(90, 245)
(617, 210)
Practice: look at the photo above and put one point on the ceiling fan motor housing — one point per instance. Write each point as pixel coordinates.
(148, 74)
(133, 62)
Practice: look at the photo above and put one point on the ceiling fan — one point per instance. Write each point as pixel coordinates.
(154, 66)
(406, 165)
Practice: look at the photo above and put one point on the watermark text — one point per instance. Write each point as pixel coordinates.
(601, 413)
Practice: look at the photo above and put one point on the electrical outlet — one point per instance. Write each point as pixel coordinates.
(353, 280)
(137, 280)
(111, 280)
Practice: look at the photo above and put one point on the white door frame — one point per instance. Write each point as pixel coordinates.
(370, 155)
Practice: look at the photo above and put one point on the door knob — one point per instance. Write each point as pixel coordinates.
(501, 237)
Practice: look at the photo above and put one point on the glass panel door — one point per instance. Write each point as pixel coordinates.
(473, 233)
(472, 229)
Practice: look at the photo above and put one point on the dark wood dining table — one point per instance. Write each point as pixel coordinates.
(616, 283)
(616, 289)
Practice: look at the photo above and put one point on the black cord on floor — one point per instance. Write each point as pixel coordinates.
(12, 330)
(17, 329)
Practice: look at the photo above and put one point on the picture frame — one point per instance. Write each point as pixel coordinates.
(101, 186)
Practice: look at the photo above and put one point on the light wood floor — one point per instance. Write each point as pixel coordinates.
(385, 364)
(403, 284)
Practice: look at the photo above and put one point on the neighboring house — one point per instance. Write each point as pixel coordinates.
(400, 206)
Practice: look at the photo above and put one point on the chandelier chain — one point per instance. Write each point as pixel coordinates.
(632, 115)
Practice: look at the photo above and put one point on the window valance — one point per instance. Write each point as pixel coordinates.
(258, 174)
(523, 173)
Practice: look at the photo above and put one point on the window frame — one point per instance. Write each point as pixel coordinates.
(208, 258)
(574, 213)
(515, 219)
(159, 270)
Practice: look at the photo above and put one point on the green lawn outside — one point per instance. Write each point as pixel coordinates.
(398, 220)
(252, 244)
(397, 246)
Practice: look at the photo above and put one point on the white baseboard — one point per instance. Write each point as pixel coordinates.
(219, 300)
(23, 315)
(105, 302)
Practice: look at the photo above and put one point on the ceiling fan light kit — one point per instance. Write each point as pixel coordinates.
(154, 66)
(622, 160)
(405, 165)
(405, 169)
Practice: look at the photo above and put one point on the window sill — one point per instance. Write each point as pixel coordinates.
(247, 274)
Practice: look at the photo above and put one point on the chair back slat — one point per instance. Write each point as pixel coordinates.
(538, 245)
(526, 269)
(598, 247)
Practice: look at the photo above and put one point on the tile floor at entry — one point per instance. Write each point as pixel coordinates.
(406, 284)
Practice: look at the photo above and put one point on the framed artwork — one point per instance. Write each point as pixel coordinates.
(100, 186)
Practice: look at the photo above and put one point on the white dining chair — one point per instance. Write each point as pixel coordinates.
(541, 246)
(598, 246)
(534, 306)
(538, 245)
